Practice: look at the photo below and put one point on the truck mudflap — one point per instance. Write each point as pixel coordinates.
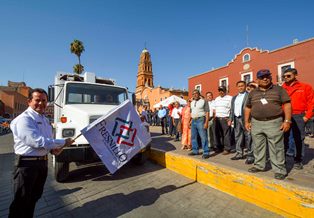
(77, 154)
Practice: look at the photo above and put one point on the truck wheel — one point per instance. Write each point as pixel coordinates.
(61, 171)
(141, 157)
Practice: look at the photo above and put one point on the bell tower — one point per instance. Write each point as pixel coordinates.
(144, 74)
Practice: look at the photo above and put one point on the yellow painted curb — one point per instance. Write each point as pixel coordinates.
(280, 197)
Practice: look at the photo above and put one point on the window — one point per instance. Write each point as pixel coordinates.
(199, 87)
(282, 68)
(246, 58)
(77, 93)
(224, 82)
(247, 77)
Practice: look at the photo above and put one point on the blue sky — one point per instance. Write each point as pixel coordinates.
(184, 37)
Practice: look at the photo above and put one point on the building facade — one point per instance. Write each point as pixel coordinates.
(299, 55)
(146, 93)
(14, 98)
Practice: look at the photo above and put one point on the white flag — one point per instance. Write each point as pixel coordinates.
(117, 136)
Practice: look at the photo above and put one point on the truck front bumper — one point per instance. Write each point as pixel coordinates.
(77, 154)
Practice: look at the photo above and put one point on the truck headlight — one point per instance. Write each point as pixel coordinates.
(66, 133)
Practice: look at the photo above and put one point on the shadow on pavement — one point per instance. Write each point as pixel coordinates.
(64, 192)
(116, 205)
(163, 142)
(98, 172)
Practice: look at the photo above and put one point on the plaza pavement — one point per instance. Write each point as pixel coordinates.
(292, 197)
(134, 191)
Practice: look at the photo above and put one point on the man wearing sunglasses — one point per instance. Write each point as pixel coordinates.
(301, 95)
(268, 116)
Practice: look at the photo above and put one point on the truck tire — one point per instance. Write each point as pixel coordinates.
(140, 158)
(61, 171)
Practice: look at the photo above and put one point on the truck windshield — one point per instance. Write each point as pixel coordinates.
(82, 93)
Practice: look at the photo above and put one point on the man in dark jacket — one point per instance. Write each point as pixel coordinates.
(242, 136)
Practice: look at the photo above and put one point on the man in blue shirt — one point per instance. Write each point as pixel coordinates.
(162, 116)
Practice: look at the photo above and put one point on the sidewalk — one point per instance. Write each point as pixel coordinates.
(292, 197)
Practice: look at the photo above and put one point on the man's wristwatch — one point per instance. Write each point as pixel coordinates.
(288, 121)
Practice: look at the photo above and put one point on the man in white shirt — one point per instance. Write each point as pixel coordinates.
(222, 107)
(242, 136)
(211, 130)
(176, 119)
(33, 140)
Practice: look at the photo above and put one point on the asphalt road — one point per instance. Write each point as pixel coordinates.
(134, 191)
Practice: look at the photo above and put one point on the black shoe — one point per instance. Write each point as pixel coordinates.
(280, 176)
(205, 156)
(218, 151)
(298, 166)
(233, 151)
(249, 161)
(226, 152)
(237, 157)
(193, 154)
(254, 170)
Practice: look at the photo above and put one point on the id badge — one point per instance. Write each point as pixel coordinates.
(264, 101)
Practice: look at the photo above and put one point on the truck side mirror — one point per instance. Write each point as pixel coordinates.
(133, 99)
(51, 93)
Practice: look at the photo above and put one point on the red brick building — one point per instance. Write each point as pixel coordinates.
(299, 55)
(14, 98)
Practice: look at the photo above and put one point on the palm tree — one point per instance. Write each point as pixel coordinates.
(77, 48)
(78, 68)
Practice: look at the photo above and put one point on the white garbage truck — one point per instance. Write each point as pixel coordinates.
(78, 101)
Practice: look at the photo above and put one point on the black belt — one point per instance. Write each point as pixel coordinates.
(196, 118)
(222, 118)
(268, 118)
(34, 157)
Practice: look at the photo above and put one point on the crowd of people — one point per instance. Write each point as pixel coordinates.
(263, 121)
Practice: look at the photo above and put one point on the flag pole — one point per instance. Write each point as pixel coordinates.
(77, 137)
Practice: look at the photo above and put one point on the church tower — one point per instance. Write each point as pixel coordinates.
(144, 74)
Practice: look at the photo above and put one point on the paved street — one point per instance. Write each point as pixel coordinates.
(134, 191)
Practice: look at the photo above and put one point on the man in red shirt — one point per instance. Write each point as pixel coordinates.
(301, 95)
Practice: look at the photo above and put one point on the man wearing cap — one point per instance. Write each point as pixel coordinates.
(301, 95)
(268, 116)
(199, 124)
(222, 106)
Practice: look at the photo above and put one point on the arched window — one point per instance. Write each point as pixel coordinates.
(246, 57)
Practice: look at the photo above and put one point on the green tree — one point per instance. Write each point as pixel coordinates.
(77, 48)
(78, 68)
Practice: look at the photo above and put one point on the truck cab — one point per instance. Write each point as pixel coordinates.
(78, 101)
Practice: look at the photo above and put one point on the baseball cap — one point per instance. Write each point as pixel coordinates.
(222, 88)
(291, 70)
(262, 73)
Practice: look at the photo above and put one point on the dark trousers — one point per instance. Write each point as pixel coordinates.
(242, 136)
(171, 127)
(164, 128)
(28, 180)
(222, 134)
(298, 131)
(176, 123)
